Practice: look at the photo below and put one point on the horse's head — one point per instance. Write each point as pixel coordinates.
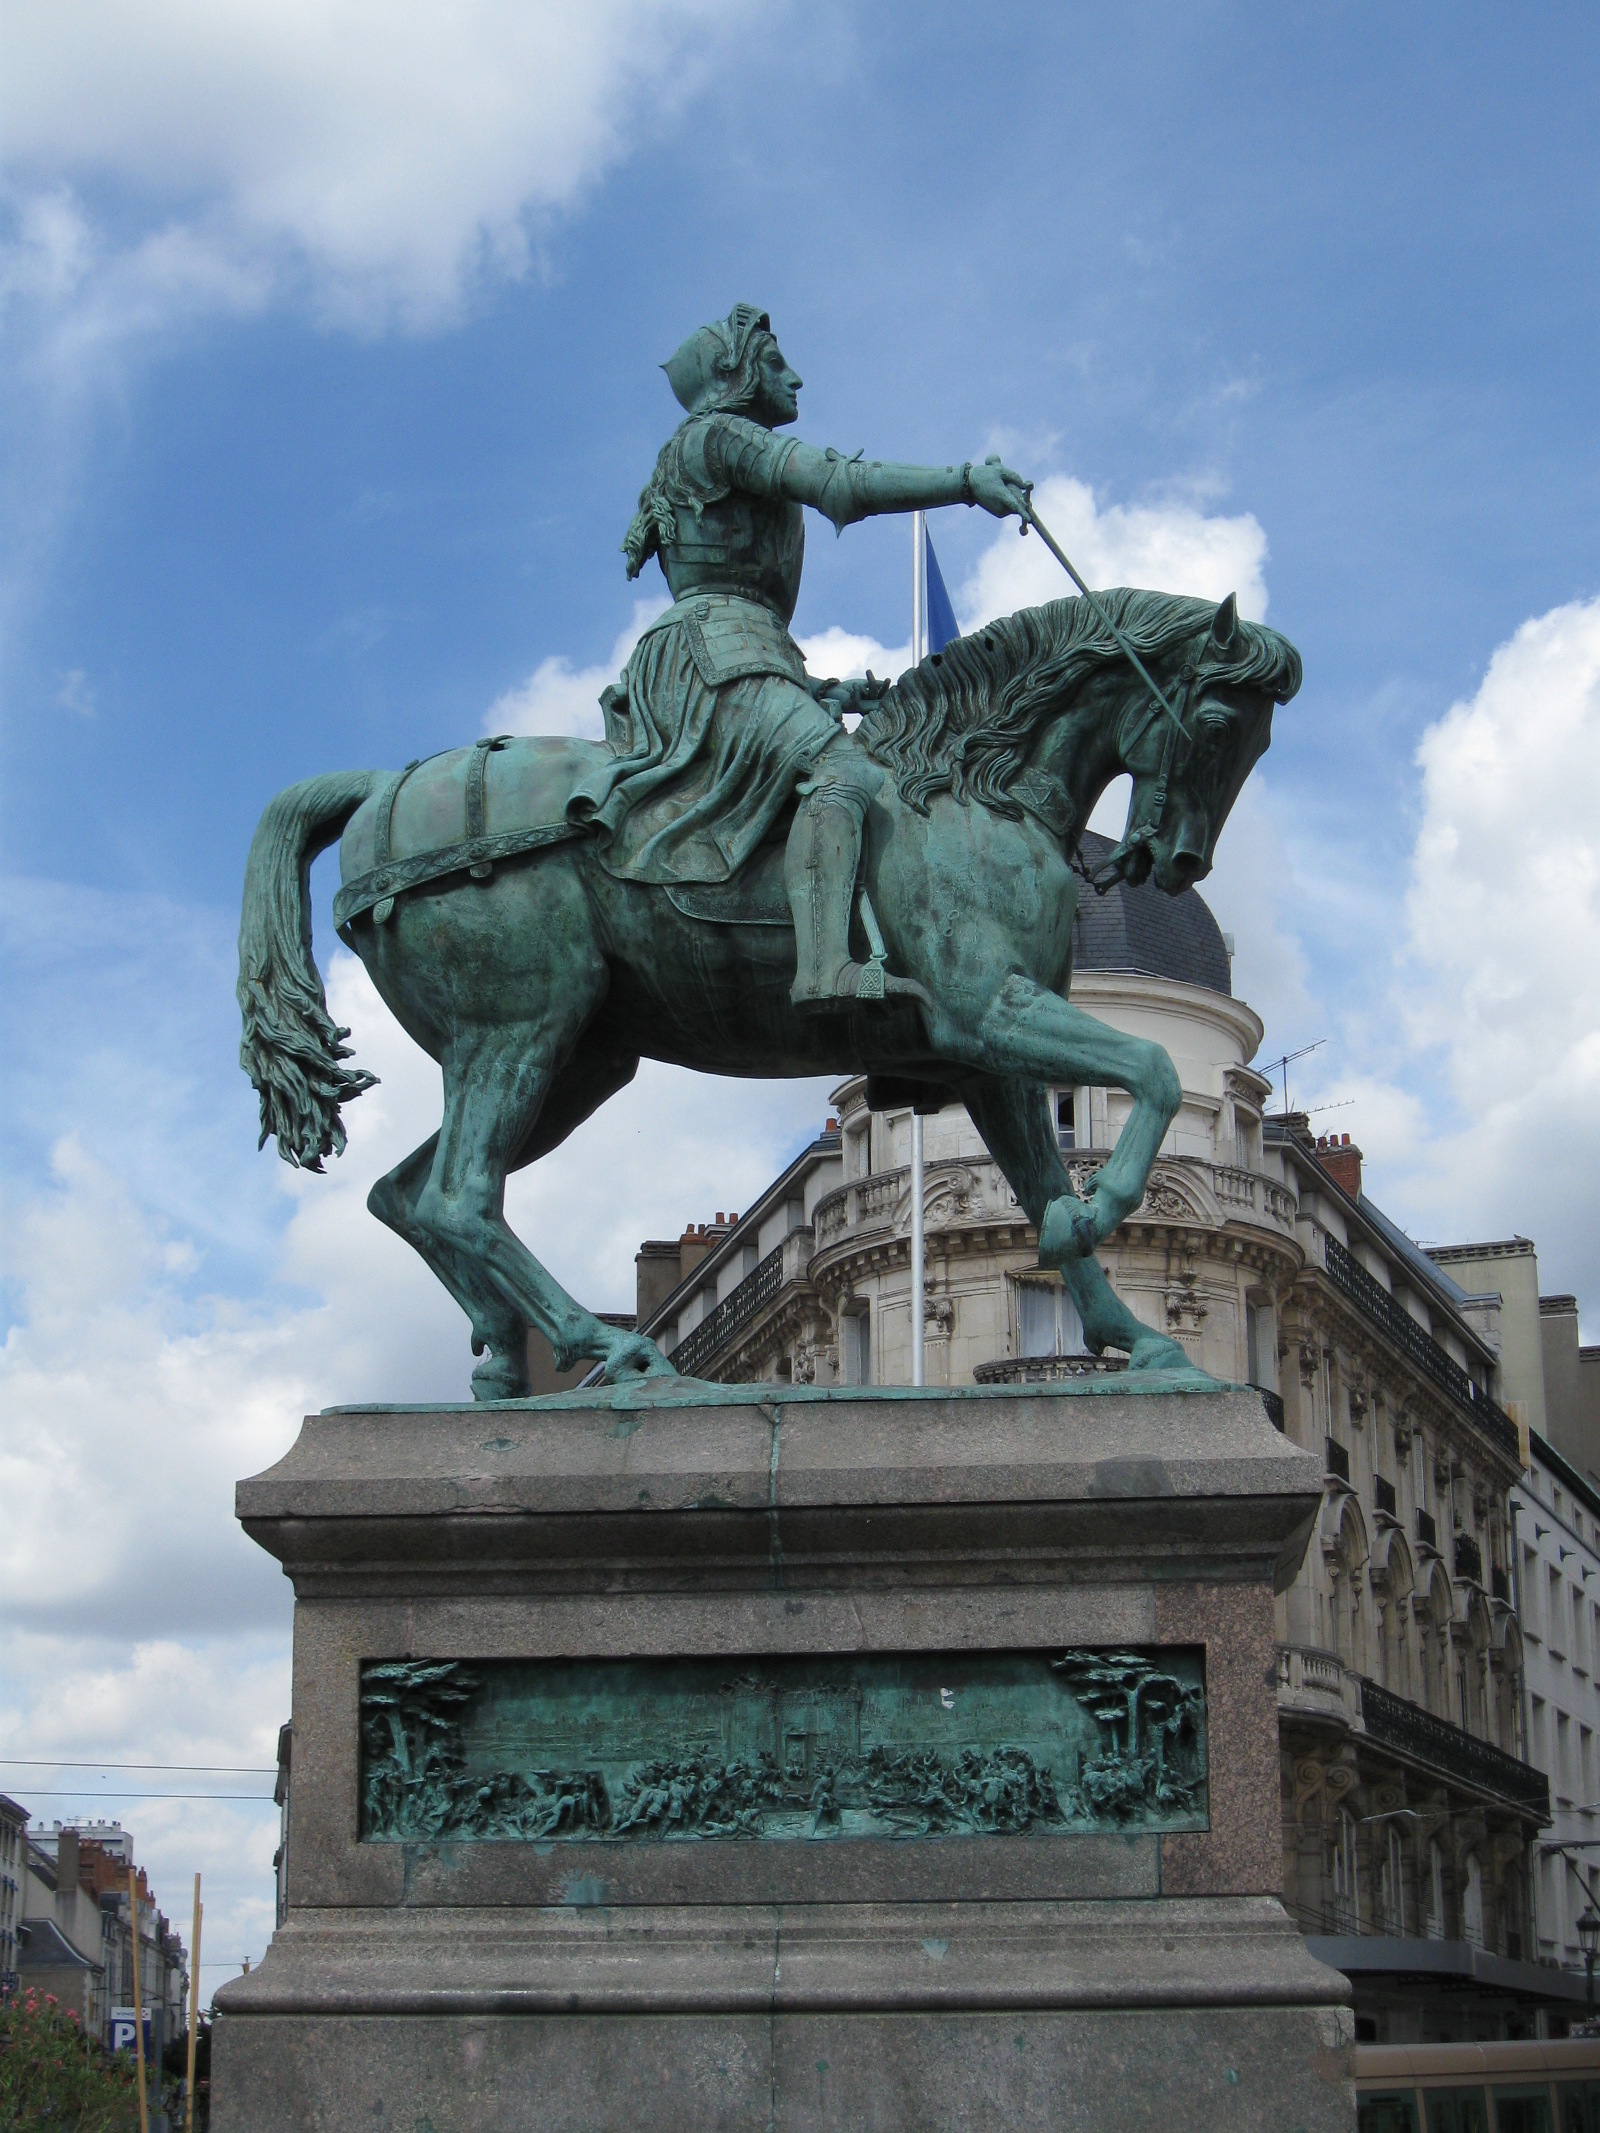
(1189, 762)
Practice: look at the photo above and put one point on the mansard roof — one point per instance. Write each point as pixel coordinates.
(1147, 931)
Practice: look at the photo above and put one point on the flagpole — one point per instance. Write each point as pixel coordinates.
(919, 552)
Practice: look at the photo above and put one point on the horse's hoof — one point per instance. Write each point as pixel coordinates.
(635, 1358)
(499, 1378)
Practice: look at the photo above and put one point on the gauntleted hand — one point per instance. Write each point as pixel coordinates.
(842, 697)
(997, 489)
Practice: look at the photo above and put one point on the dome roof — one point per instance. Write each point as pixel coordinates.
(1145, 930)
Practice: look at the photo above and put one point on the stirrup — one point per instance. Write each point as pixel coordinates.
(863, 984)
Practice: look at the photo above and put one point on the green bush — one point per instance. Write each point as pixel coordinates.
(52, 2075)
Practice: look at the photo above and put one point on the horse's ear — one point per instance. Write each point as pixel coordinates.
(1225, 623)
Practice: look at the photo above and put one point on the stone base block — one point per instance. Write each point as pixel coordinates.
(731, 1758)
(1199, 2013)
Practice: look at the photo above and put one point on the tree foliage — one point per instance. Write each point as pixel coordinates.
(52, 2075)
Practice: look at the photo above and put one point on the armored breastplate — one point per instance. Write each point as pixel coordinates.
(740, 543)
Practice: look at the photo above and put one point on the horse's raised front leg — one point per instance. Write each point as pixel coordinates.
(496, 1082)
(1032, 1034)
(1014, 1119)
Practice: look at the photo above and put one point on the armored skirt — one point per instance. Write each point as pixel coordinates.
(706, 753)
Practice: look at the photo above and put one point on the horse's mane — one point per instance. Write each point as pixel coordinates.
(965, 720)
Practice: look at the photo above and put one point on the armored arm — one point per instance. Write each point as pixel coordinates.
(845, 490)
(742, 454)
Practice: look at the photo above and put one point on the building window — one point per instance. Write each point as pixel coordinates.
(1435, 1891)
(1066, 1120)
(855, 1348)
(1047, 1320)
(1472, 1903)
(1346, 1888)
(1392, 1884)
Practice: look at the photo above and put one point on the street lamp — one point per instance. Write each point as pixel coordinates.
(1589, 1942)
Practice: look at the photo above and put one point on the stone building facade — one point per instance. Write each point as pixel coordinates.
(13, 1839)
(1550, 1383)
(1411, 1816)
(77, 1930)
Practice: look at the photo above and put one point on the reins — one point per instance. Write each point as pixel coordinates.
(1103, 877)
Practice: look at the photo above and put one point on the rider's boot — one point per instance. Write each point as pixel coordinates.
(819, 873)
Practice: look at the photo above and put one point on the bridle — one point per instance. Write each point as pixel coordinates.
(1177, 733)
(1177, 740)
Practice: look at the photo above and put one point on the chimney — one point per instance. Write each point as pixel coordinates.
(1342, 1161)
(657, 1270)
(66, 1875)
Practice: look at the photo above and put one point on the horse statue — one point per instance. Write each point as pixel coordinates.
(476, 893)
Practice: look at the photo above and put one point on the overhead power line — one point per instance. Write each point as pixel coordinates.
(35, 1794)
(39, 1762)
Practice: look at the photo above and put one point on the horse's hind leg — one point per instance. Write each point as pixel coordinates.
(496, 1327)
(496, 1083)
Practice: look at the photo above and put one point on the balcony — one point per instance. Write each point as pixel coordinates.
(1375, 1303)
(736, 1308)
(1469, 1558)
(1315, 1684)
(1383, 1496)
(1392, 1722)
(1337, 1460)
(1427, 1531)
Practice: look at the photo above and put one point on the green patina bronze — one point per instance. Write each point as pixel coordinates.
(914, 1745)
(732, 881)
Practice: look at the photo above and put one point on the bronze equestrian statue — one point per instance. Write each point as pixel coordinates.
(733, 882)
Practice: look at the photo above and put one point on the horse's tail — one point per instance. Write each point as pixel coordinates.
(292, 1049)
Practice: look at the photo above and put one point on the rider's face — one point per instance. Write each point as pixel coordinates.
(780, 386)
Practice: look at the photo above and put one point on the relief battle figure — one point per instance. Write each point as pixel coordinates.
(733, 882)
(716, 722)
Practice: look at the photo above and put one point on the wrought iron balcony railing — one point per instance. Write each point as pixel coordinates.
(1383, 1495)
(1392, 1722)
(1374, 1301)
(1469, 1558)
(1337, 1460)
(714, 1331)
(1427, 1531)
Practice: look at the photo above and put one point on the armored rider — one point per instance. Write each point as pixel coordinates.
(715, 724)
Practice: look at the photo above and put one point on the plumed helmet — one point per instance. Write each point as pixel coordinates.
(716, 366)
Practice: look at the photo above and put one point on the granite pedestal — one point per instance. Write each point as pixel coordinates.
(926, 1875)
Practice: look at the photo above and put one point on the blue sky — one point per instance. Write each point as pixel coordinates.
(330, 379)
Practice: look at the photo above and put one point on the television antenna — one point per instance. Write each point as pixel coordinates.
(1284, 1064)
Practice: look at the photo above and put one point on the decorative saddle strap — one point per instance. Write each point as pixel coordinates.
(482, 869)
(475, 855)
(383, 832)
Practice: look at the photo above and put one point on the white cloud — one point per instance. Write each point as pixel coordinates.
(558, 697)
(844, 655)
(386, 155)
(1501, 968)
(1166, 547)
(76, 694)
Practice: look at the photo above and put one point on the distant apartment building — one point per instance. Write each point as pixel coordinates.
(13, 1837)
(1551, 1383)
(78, 1925)
(1411, 1813)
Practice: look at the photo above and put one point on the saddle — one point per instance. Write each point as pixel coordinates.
(474, 855)
(754, 898)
